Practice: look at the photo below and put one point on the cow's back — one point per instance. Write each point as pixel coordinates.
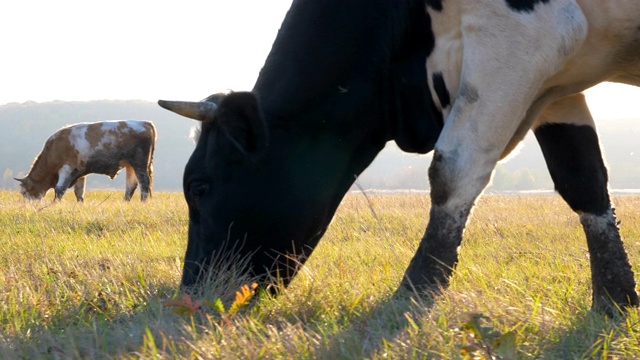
(108, 146)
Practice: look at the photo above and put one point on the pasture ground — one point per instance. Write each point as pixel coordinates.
(92, 280)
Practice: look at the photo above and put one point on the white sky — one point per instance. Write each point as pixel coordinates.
(133, 49)
(140, 49)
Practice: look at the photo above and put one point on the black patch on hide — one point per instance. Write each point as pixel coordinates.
(441, 89)
(573, 156)
(524, 5)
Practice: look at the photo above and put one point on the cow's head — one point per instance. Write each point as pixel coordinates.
(272, 165)
(30, 190)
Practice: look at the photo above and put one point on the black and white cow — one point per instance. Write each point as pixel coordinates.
(345, 77)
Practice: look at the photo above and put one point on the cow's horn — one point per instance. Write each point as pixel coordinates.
(202, 110)
(19, 180)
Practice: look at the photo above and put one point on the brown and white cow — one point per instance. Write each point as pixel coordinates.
(105, 147)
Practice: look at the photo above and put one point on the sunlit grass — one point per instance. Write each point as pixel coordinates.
(91, 280)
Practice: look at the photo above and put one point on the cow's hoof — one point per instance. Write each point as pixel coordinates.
(614, 308)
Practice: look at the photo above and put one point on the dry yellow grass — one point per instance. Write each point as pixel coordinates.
(89, 281)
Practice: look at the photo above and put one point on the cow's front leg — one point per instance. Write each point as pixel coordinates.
(457, 178)
(66, 177)
(566, 134)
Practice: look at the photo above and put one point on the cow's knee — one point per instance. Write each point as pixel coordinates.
(457, 180)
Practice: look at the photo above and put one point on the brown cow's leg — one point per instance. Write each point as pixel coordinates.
(131, 183)
(66, 176)
(78, 189)
(142, 175)
(574, 160)
(145, 184)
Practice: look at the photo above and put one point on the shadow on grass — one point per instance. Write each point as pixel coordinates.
(392, 329)
(379, 331)
(89, 330)
(593, 335)
(374, 333)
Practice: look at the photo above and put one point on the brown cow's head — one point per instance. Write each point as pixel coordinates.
(29, 190)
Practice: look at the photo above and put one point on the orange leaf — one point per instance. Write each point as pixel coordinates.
(183, 305)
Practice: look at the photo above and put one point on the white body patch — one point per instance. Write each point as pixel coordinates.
(136, 125)
(77, 138)
(502, 68)
(63, 176)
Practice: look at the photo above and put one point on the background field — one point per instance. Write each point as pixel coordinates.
(92, 280)
(26, 126)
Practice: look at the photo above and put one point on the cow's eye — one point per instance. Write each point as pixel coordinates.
(197, 190)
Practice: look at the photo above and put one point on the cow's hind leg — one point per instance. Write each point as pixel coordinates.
(145, 183)
(566, 134)
(132, 182)
(78, 189)
(144, 176)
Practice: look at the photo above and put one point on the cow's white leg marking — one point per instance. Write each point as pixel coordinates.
(78, 188)
(566, 134)
(131, 182)
(64, 180)
(501, 77)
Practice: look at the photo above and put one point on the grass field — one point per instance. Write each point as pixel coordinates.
(92, 280)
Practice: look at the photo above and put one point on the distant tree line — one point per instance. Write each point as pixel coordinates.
(26, 126)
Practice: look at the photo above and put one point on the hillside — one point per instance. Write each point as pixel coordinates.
(27, 125)
(525, 170)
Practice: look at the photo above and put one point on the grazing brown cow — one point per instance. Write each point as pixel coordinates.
(105, 147)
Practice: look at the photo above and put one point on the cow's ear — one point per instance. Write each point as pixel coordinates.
(239, 115)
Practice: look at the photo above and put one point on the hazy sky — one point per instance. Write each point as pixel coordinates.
(139, 49)
(133, 49)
